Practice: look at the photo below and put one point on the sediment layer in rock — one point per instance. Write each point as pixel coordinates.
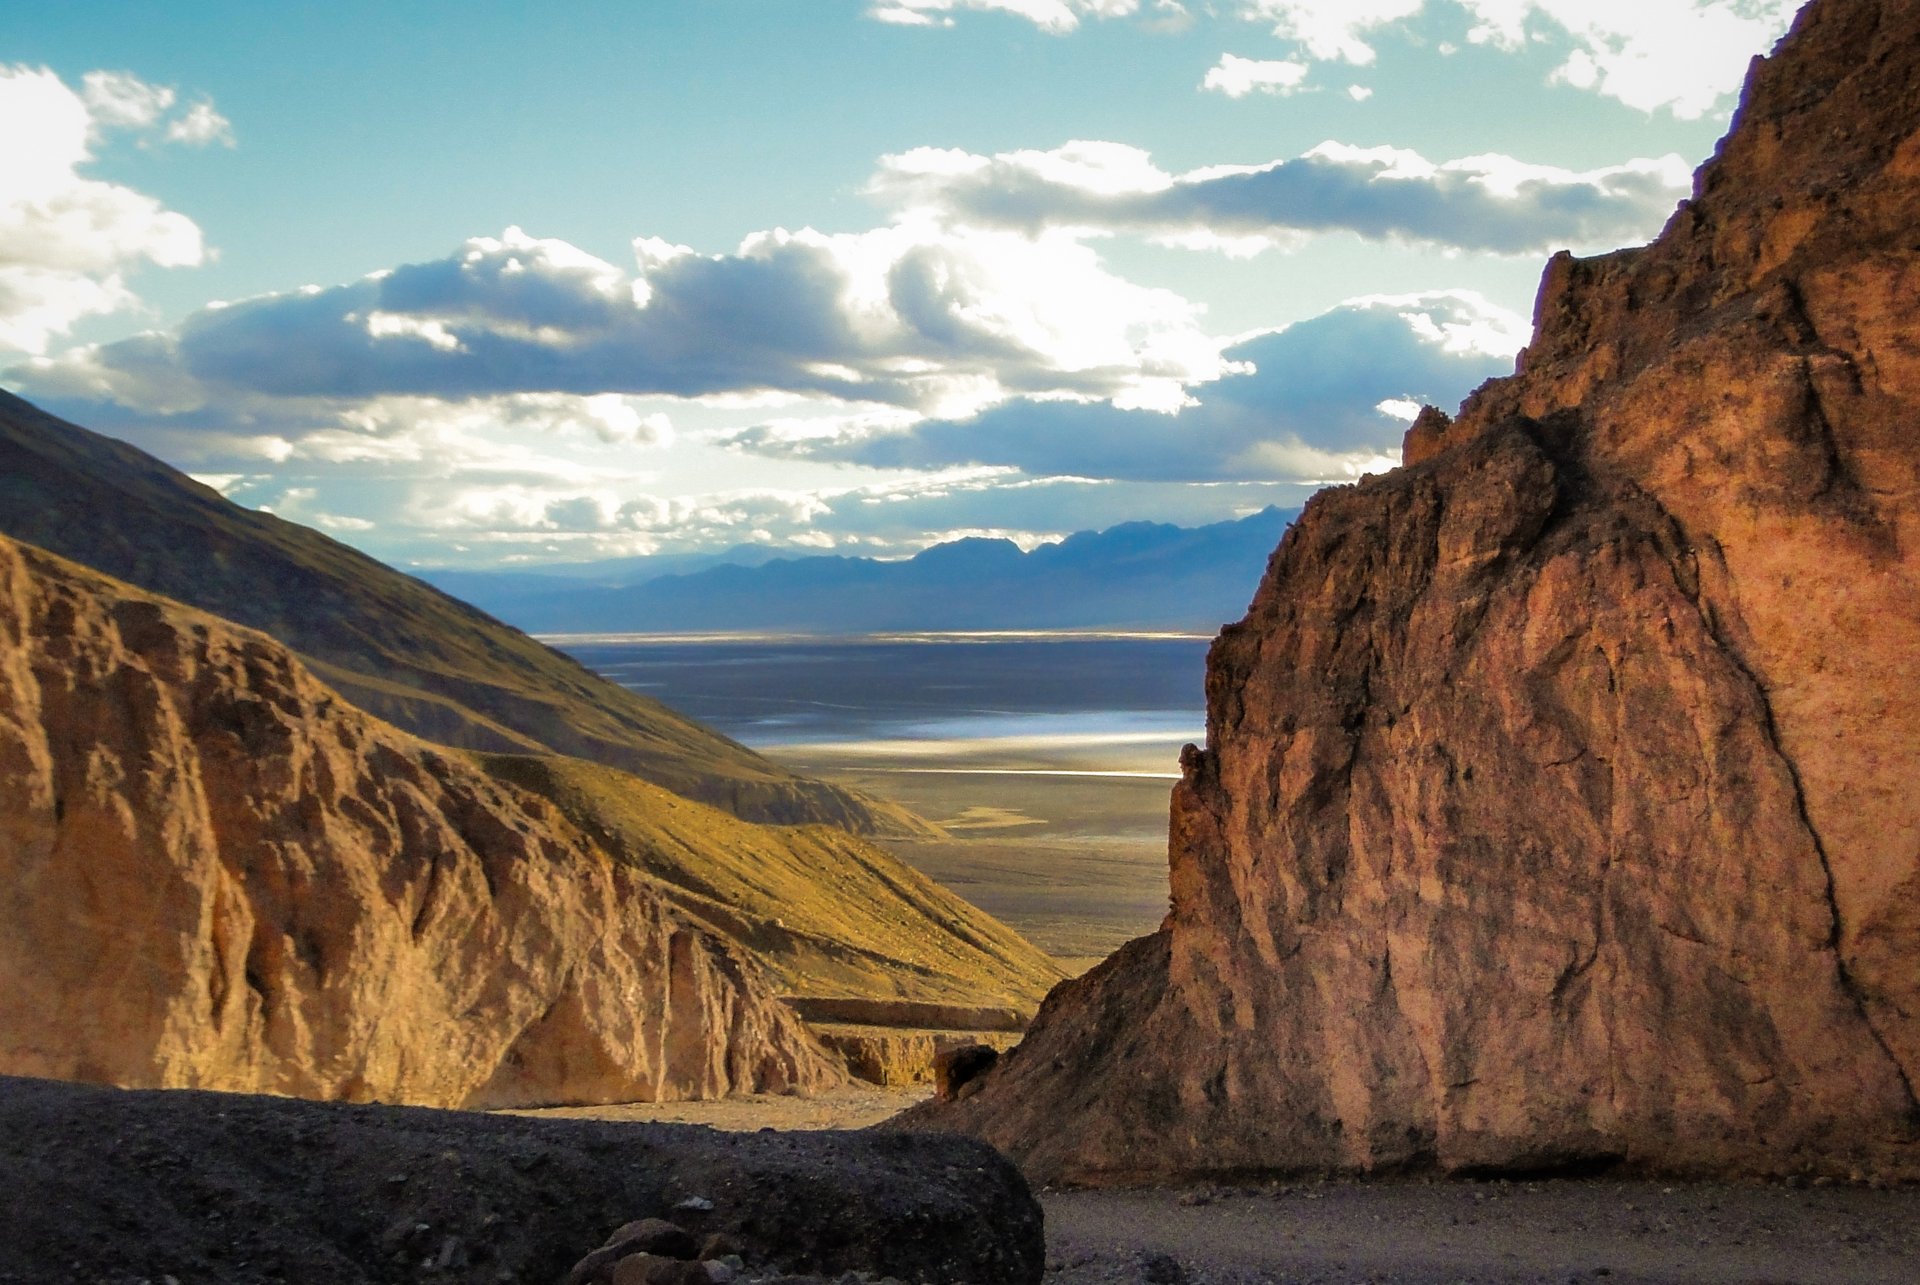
(216, 873)
(1558, 802)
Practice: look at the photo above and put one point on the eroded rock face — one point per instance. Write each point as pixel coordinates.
(1559, 802)
(215, 873)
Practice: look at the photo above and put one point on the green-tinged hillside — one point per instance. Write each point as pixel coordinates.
(393, 645)
(832, 915)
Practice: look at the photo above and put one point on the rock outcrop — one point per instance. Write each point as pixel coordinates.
(1558, 808)
(216, 873)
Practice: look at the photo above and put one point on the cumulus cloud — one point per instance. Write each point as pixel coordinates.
(1324, 399)
(1489, 203)
(67, 242)
(911, 315)
(1237, 77)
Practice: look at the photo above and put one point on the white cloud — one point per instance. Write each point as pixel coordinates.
(1331, 30)
(1359, 93)
(1314, 402)
(1237, 77)
(201, 126)
(120, 100)
(1048, 15)
(68, 241)
(1486, 203)
(1682, 55)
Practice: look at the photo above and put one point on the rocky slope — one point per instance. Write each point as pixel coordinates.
(216, 873)
(392, 645)
(833, 917)
(1557, 809)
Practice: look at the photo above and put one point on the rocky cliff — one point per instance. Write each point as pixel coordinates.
(215, 873)
(1558, 808)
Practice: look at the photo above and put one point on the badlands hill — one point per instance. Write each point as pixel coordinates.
(391, 644)
(1558, 807)
(216, 873)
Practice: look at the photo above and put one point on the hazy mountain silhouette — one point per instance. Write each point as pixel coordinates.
(1139, 575)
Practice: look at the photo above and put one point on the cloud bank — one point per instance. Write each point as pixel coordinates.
(940, 321)
(1485, 203)
(1321, 400)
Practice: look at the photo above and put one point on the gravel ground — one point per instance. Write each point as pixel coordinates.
(1619, 1233)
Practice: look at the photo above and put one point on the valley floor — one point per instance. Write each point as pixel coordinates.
(1590, 1231)
(1075, 864)
(1587, 1231)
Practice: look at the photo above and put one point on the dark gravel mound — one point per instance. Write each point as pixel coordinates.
(105, 1185)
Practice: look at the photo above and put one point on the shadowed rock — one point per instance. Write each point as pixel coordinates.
(216, 1189)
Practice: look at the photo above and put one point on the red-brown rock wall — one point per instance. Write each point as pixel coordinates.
(1559, 802)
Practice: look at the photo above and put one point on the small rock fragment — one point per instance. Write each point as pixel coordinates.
(654, 1237)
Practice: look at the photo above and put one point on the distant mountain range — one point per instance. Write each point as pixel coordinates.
(1139, 575)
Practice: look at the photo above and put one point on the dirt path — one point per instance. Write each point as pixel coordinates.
(1616, 1233)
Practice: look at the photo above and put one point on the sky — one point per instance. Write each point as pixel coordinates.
(497, 285)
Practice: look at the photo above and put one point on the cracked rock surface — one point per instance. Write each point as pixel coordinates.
(1558, 809)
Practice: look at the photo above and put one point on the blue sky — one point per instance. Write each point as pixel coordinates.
(492, 284)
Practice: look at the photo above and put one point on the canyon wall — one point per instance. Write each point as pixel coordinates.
(1559, 805)
(215, 873)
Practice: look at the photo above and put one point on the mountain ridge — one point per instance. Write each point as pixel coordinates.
(398, 647)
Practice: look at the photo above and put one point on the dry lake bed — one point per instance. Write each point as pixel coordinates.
(1047, 757)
